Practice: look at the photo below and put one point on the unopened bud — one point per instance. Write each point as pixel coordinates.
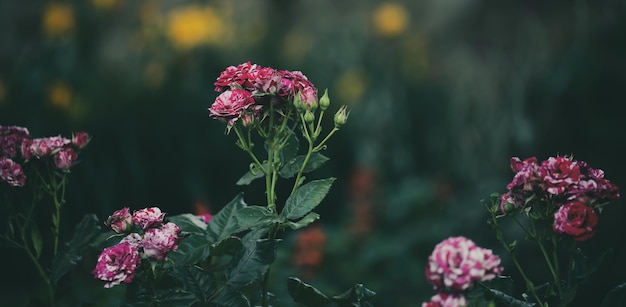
(309, 117)
(247, 120)
(341, 117)
(324, 101)
(297, 102)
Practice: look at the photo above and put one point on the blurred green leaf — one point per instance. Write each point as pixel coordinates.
(36, 239)
(291, 168)
(306, 294)
(251, 262)
(197, 281)
(229, 297)
(223, 224)
(306, 198)
(85, 233)
(615, 297)
(354, 296)
(306, 220)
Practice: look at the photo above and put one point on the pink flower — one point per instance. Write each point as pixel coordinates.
(240, 77)
(508, 203)
(148, 217)
(230, 105)
(121, 221)
(11, 172)
(134, 239)
(65, 158)
(42, 147)
(559, 174)
(457, 262)
(265, 80)
(308, 98)
(526, 179)
(575, 219)
(593, 187)
(293, 82)
(158, 242)
(117, 264)
(11, 138)
(80, 139)
(443, 299)
(206, 217)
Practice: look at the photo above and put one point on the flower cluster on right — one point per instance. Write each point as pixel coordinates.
(569, 191)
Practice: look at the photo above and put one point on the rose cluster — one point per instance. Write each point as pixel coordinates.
(248, 89)
(571, 189)
(454, 266)
(16, 143)
(147, 237)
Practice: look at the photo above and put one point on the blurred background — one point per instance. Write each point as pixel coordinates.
(442, 93)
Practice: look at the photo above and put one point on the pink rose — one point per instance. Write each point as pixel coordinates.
(134, 239)
(158, 242)
(65, 158)
(121, 221)
(148, 217)
(265, 80)
(508, 203)
(42, 147)
(559, 174)
(575, 219)
(308, 98)
(11, 138)
(240, 77)
(230, 105)
(526, 179)
(456, 263)
(11, 172)
(80, 139)
(117, 264)
(443, 299)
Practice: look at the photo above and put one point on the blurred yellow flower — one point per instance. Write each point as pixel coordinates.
(154, 74)
(58, 19)
(390, 19)
(60, 95)
(105, 4)
(296, 45)
(194, 25)
(351, 86)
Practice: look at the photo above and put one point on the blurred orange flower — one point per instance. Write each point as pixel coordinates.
(58, 19)
(105, 4)
(60, 95)
(390, 19)
(351, 86)
(194, 25)
(309, 250)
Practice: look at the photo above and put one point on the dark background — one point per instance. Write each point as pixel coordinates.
(442, 94)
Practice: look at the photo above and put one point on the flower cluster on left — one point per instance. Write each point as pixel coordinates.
(33, 171)
(145, 237)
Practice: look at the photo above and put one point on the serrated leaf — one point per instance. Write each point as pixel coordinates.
(306, 198)
(254, 216)
(306, 294)
(356, 294)
(223, 224)
(248, 177)
(228, 246)
(291, 168)
(290, 149)
(174, 297)
(36, 240)
(228, 298)
(189, 223)
(86, 233)
(504, 299)
(251, 262)
(192, 249)
(306, 220)
(197, 281)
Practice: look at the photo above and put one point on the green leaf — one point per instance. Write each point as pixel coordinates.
(356, 294)
(254, 216)
(503, 299)
(228, 246)
(248, 177)
(223, 224)
(189, 223)
(306, 198)
(86, 233)
(251, 262)
(36, 239)
(229, 297)
(306, 294)
(615, 297)
(197, 281)
(174, 297)
(290, 149)
(192, 249)
(308, 219)
(292, 167)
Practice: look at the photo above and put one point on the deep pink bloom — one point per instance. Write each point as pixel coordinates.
(80, 139)
(593, 187)
(559, 174)
(206, 217)
(158, 242)
(265, 80)
(148, 217)
(117, 264)
(526, 179)
(11, 172)
(42, 147)
(443, 299)
(294, 82)
(65, 158)
(240, 77)
(457, 262)
(230, 105)
(575, 219)
(11, 138)
(121, 221)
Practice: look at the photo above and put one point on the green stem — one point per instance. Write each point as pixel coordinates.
(266, 276)
(246, 148)
(57, 215)
(321, 144)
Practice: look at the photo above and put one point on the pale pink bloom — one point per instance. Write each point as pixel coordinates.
(11, 138)
(42, 147)
(11, 172)
(148, 217)
(558, 174)
(134, 239)
(457, 262)
(117, 264)
(80, 139)
(230, 105)
(443, 299)
(158, 242)
(65, 158)
(240, 77)
(575, 219)
(120, 221)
